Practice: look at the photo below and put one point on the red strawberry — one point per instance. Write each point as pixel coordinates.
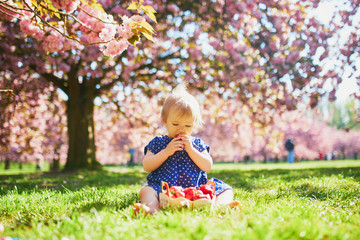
(186, 190)
(206, 189)
(202, 196)
(176, 191)
(179, 194)
(190, 195)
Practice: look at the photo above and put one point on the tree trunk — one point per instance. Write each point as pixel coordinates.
(80, 111)
(55, 166)
(7, 163)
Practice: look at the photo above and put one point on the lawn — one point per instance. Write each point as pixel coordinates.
(307, 200)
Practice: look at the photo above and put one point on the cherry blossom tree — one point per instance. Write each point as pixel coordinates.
(262, 54)
(32, 122)
(49, 47)
(348, 18)
(38, 131)
(63, 25)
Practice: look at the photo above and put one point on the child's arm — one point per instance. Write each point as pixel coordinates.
(202, 159)
(152, 161)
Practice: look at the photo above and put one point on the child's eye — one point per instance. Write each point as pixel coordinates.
(187, 125)
(175, 124)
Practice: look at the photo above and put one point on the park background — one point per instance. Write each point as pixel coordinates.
(262, 72)
(82, 82)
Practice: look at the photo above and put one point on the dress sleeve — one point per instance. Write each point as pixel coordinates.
(200, 145)
(153, 146)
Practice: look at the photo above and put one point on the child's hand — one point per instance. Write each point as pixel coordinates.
(175, 145)
(185, 140)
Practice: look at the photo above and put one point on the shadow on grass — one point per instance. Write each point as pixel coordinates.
(299, 182)
(117, 203)
(65, 181)
(244, 179)
(249, 180)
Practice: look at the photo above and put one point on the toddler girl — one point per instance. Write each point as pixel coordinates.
(179, 158)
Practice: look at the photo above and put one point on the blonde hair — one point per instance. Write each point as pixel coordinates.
(183, 103)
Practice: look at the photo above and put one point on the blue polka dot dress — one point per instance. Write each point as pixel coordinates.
(179, 169)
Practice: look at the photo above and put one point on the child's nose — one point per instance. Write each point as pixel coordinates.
(181, 129)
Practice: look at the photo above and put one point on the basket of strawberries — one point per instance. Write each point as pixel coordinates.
(191, 197)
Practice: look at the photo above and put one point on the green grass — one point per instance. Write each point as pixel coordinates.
(27, 168)
(307, 200)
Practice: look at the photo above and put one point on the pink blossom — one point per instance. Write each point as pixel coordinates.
(124, 29)
(10, 16)
(250, 73)
(114, 47)
(39, 35)
(241, 47)
(53, 42)
(173, 8)
(105, 3)
(278, 24)
(257, 14)
(274, 45)
(293, 57)
(241, 5)
(69, 44)
(202, 9)
(278, 60)
(298, 43)
(90, 37)
(137, 18)
(215, 43)
(64, 67)
(28, 28)
(120, 11)
(68, 5)
(108, 33)
(332, 95)
(255, 86)
(229, 45)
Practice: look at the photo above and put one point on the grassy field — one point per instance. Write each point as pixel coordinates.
(27, 168)
(307, 200)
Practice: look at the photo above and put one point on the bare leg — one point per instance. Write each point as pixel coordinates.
(227, 198)
(149, 201)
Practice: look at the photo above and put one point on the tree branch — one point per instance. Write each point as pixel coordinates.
(82, 9)
(8, 7)
(66, 36)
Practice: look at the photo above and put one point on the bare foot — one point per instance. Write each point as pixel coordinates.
(235, 204)
(138, 207)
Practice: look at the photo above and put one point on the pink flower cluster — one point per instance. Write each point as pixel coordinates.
(108, 33)
(115, 47)
(53, 42)
(124, 29)
(293, 57)
(68, 5)
(30, 29)
(114, 37)
(97, 27)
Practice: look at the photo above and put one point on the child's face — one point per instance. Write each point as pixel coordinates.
(176, 124)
